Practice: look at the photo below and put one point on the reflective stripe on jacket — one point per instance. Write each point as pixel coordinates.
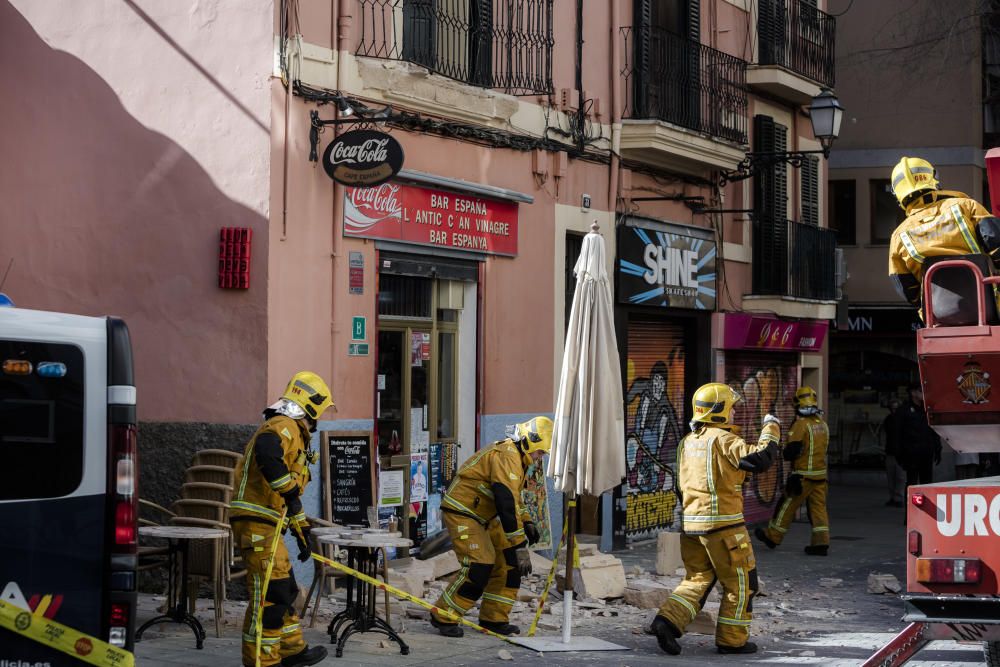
(814, 435)
(261, 498)
(946, 227)
(710, 480)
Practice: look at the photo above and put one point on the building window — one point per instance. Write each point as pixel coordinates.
(841, 213)
(770, 203)
(886, 213)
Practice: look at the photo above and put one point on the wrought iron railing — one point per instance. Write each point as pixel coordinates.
(798, 36)
(502, 44)
(794, 259)
(671, 78)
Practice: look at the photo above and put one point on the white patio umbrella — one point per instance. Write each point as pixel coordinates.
(588, 441)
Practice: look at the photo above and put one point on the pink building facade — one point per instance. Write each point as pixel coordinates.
(140, 130)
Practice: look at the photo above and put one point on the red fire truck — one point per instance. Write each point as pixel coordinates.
(953, 528)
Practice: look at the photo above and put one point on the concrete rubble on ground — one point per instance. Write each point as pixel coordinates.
(879, 584)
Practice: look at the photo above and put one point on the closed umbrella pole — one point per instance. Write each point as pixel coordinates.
(567, 627)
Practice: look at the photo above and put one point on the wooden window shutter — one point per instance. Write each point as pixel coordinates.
(809, 174)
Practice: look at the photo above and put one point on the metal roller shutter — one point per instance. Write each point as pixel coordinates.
(654, 413)
(767, 382)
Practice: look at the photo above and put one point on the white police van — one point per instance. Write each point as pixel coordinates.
(68, 474)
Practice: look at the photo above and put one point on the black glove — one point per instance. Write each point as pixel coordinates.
(523, 560)
(793, 487)
(303, 540)
(531, 533)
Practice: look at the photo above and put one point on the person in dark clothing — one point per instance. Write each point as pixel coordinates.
(895, 475)
(919, 447)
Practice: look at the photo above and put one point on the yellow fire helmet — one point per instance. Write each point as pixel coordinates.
(713, 403)
(912, 176)
(536, 434)
(805, 397)
(308, 391)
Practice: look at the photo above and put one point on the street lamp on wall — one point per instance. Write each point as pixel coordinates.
(825, 114)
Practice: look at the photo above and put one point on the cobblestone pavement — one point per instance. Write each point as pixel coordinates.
(796, 622)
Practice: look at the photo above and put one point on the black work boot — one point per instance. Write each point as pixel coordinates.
(817, 550)
(749, 647)
(666, 635)
(310, 655)
(501, 627)
(447, 629)
(762, 536)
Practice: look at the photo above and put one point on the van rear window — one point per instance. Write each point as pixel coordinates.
(41, 420)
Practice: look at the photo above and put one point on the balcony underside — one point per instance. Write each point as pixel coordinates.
(667, 146)
(782, 83)
(790, 306)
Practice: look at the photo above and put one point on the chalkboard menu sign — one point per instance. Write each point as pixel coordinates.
(348, 482)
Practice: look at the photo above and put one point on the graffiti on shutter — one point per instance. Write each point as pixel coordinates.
(654, 407)
(767, 383)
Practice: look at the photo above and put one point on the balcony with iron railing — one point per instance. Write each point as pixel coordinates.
(682, 85)
(795, 49)
(794, 259)
(506, 46)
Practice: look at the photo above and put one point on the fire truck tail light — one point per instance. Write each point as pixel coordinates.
(913, 543)
(918, 499)
(949, 570)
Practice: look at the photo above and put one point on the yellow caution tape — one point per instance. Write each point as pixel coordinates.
(403, 595)
(258, 631)
(62, 638)
(548, 580)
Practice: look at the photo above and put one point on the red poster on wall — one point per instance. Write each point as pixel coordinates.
(431, 217)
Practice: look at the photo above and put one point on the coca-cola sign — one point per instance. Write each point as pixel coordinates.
(363, 158)
(413, 214)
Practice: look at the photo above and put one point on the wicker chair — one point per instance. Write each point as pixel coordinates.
(216, 457)
(219, 493)
(321, 572)
(211, 474)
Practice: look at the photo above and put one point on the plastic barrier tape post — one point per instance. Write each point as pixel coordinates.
(62, 638)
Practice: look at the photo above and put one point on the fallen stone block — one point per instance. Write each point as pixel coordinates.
(599, 577)
(879, 584)
(411, 582)
(444, 564)
(540, 565)
(703, 623)
(419, 613)
(646, 594)
(830, 582)
(668, 553)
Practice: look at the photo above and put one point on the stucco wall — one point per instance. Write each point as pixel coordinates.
(132, 132)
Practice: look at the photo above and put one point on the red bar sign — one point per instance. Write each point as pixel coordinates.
(431, 217)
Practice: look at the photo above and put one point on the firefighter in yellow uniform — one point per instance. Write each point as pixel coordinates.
(806, 449)
(939, 223)
(270, 478)
(490, 530)
(712, 464)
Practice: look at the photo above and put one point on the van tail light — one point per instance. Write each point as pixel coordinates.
(949, 570)
(118, 624)
(913, 543)
(122, 483)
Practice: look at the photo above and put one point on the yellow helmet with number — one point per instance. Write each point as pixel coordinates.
(535, 433)
(805, 397)
(912, 176)
(308, 391)
(713, 403)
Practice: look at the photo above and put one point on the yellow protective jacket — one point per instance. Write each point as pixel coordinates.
(806, 447)
(945, 227)
(489, 485)
(711, 478)
(273, 472)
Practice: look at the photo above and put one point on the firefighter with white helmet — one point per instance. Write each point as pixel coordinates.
(270, 480)
(806, 449)
(712, 464)
(490, 530)
(939, 223)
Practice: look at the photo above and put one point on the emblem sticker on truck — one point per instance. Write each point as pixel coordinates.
(974, 384)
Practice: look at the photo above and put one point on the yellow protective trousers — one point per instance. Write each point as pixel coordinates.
(814, 495)
(724, 556)
(489, 569)
(281, 636)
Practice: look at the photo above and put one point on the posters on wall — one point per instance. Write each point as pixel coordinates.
(390, 488)
(418, 478)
